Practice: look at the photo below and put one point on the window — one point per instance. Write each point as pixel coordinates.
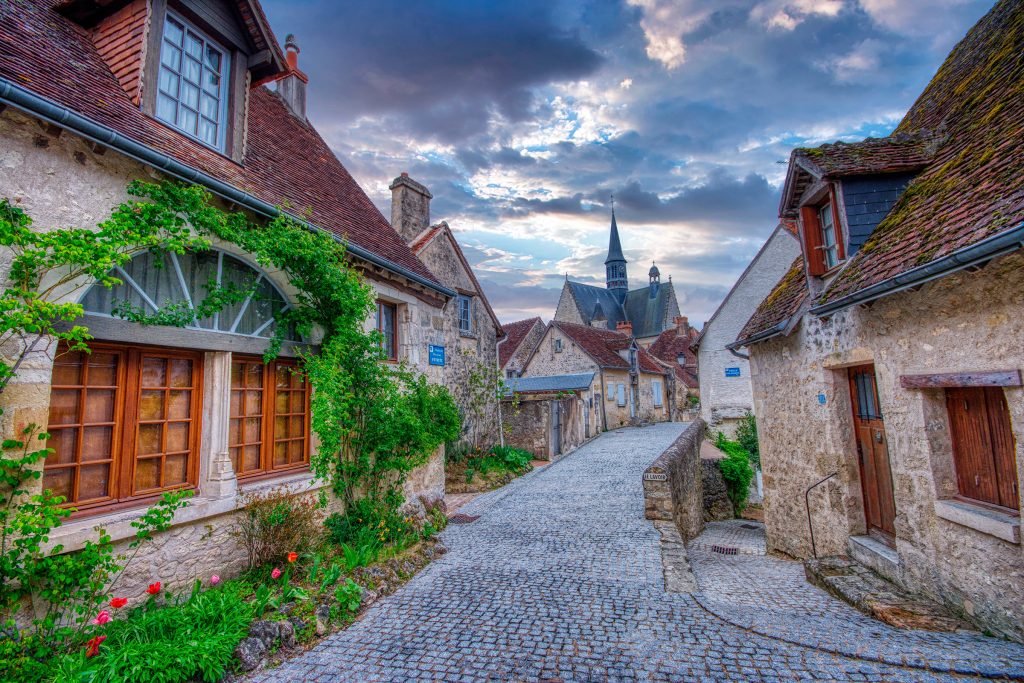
(192, 94)
(632, 360)
(465, 314)
(558, 345)
(269, 423)
(511, 374)
(656, 390)
(622, 395)
(124, 423)
(983, 445)
(829, 243)
(611, 392)
(387, 325)
(151, 281)
(822, 236)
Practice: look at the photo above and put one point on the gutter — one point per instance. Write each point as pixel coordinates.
(760, 336)
(47, 110)
(974, 255)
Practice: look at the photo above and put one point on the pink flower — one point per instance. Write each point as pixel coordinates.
(94, 646)
(276, 574)
(117, 603)
(214, 580)
(154, 588)
(102, 618)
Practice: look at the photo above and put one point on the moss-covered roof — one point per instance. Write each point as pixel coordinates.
(971, 188)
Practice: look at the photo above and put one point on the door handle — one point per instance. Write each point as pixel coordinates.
(879, 437)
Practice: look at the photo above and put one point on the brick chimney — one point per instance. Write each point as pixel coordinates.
(292, 88)
(410, 207)
(682, 325)
(625, 327)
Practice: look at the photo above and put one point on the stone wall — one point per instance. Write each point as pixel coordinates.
(528, 426)
(724, 400)
(673, 490)
(60, 180)
(963, 322)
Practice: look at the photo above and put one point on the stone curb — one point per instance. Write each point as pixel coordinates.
(917, 660)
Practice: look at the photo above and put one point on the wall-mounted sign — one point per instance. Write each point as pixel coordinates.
(821, 399)
(732, 372)
(655, 476)
(436, 355)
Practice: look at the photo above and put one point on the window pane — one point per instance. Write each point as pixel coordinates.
(211, 82)
(170, 57)
(169, 85)
(64, 443)
(193, 45)
(212, 59)
(210, 107)
(60, 481)
(147, 474)
(190, 97)
(173, 31)
(192, 71)
(94, 482)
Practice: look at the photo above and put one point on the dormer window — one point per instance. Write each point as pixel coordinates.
(193, 83)
(822, 236)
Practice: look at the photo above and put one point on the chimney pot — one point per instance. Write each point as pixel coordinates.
(292, 88)
(624, 326)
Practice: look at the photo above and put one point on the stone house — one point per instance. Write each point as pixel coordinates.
(673, 349)
(631, 386)
(469, 324)
(95, 95)
(650, 310)
(886, 364)
(725, 390)
(521, 338)
(550, 416)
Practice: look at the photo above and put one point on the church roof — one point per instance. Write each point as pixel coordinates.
(614, 245)
(646, 312)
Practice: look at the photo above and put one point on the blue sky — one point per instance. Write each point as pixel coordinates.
(523, 116)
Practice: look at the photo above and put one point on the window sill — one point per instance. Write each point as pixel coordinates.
(74, 534)
(1003, 525)
(467, 335)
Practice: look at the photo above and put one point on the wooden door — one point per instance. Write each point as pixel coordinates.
(873, 454)
(983, 445)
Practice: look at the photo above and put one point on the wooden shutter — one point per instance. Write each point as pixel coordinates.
(983, 446)
(812, 240)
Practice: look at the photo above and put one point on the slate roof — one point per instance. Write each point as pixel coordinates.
(971, 188)
(779, 307)
(669, 345)
(525, 385)
(614, 245)
(286, 161)
(515, 333)
(646, 313)
(603, 346)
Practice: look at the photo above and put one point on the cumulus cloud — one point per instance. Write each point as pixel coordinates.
(664, 22)
(788, 14)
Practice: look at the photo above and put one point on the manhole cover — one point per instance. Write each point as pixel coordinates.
(462, 519)
(724, 550)
(750, 526)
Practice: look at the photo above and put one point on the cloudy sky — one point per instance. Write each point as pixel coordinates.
(523, 116)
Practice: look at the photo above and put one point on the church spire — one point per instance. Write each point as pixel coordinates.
(615, 264)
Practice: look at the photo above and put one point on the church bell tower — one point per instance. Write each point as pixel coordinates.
(615, 264)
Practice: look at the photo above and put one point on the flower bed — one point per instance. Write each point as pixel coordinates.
(468, 472)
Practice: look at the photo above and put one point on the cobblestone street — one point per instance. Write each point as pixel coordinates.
(561, 580)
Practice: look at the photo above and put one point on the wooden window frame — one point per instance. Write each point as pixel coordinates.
(124, 459)
(269, 415)
(813, 235)
(381, 303)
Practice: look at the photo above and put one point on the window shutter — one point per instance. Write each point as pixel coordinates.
(840, 233)
(812, 240)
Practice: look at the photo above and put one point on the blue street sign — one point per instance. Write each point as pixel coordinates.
(821, 399)
(436, 355)
(732, 372)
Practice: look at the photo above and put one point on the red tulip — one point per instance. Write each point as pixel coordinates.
(292, 557)
(276, 573)
(154, 588)
(117, 603)
(94, 646)
(102, 618)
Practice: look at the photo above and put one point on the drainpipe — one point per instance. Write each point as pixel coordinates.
(501, 423)
(736, 353)
(604, 410)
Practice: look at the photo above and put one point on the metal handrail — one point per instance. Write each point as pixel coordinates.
(807, 505)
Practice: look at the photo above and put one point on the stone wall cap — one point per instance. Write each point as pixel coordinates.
(411, 184)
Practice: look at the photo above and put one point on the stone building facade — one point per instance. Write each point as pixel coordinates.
(631, 386)
(470, 329)
(886, 364)
(56, 105)
(550, 416)
(521, 338)
(725, 390)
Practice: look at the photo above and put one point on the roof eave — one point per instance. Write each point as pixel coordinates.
(16, 96)
(987, 249)
(773, 331)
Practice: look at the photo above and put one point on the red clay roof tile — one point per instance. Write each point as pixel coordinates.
(515, 333)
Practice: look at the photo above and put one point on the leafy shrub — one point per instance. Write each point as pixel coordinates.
(736, 471)
(369, 519)
(349, 595)
(190, 639)
(746, 435)
(275, 523)
(504, 459)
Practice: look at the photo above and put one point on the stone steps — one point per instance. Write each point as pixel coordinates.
(879, 598)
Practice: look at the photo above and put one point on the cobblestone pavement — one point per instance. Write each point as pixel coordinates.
(746, 537)
(561, 580)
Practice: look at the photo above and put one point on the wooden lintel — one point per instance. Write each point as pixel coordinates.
(991, 378)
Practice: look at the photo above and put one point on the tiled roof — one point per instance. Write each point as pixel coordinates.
(286, 163)
(781, 305)
(873, 155)
(646, 312)
(515, 333)
(551, 383)
(972, 188)
(603, 346)
(669, 345)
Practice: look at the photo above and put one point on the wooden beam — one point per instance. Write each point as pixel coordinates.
(260, 59)
(992, 378)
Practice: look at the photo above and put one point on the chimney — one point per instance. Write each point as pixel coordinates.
(682, 325)
(410, 207)
(292, 88)
(625, 327)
